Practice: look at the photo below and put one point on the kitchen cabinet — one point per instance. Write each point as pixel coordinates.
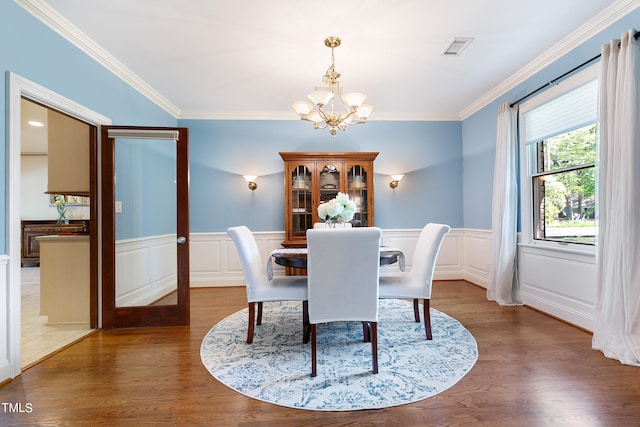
(32, 229)
(68, 155)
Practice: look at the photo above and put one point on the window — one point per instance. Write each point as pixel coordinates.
(564, 187)
(559, 176)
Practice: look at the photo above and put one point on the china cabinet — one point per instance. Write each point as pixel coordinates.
(314, 178)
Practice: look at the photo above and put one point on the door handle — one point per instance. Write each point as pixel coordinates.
(182, 240)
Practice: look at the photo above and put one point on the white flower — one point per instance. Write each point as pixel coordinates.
(340, 209)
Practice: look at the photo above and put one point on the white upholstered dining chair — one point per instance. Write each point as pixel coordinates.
(259, 288)
(416, 284)
(343, 272)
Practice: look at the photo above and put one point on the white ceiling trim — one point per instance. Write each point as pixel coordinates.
(596, 24)
(51, 18)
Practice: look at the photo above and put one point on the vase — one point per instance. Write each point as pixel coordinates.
(334, 224)
(62, 219)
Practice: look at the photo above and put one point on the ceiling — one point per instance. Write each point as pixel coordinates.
(251, 59)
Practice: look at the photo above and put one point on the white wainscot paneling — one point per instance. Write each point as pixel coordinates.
(5, 366)
(215, 262)
(145, 270)
(477, 256)
(561, 283)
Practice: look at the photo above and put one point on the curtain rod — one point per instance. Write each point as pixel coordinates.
(571, 71)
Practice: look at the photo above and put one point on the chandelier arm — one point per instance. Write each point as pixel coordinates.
(324, 115)
(317, 125)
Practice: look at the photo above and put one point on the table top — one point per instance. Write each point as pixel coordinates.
(297, 257)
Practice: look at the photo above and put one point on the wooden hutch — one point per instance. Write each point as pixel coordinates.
(314, 178)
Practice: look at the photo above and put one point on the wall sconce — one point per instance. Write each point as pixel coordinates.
(395, 179)
(251, 179)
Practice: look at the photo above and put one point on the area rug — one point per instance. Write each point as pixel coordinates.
(276, 368)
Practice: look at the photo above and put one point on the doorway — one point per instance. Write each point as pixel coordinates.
(46, 215)
(22, 88)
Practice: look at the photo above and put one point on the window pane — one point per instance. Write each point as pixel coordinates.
(574, 148)
(566, 202)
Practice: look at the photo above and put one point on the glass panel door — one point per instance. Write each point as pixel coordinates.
(301, 201)
(145, 226)
(329, 181)
(357, 191)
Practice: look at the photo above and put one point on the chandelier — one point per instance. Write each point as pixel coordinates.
(320, 112)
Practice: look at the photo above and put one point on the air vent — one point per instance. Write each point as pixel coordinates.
(457, 45)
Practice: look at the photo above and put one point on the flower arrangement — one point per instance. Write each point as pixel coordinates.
(339, 209)
(62, 209)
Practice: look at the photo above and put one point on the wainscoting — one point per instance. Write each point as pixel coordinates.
(146, 270)
(464, 255)
(559, 282)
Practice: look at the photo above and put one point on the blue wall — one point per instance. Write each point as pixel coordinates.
(428, 153)
(145, 185)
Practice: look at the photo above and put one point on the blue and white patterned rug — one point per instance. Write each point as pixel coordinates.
(276, 368)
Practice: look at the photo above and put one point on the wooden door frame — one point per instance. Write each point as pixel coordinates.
(153, 315)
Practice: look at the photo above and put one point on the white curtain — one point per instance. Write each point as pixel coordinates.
(503, 278)
(617, 325)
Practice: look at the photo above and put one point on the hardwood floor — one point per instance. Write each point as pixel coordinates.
(532, 370)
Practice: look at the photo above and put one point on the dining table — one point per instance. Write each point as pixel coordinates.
(297, 258)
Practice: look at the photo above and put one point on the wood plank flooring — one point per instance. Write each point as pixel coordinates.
(532, 370)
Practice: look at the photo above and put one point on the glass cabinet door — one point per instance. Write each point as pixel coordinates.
(357, 183)
(301, 201)
(329, 180)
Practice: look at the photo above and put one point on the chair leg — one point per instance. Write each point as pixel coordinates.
(366, 332)
(252, 316)
(374, 345)
(427, 318)
(416, 311)
(259, 321)
(305, 322)
(313, 350)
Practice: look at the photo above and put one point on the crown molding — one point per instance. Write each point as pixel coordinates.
(598, 23)
(51, 18)
(290, 116)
